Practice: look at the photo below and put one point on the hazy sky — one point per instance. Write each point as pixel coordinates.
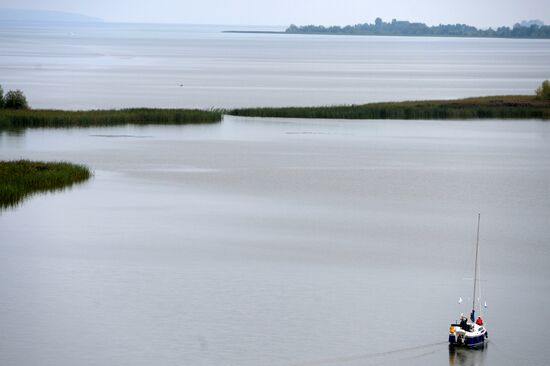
(284, 12)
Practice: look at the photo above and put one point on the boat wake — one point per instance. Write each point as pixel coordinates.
(375, 356)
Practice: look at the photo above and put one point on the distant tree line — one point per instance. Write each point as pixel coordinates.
(543, 91)
(406, 28)
(14, 99)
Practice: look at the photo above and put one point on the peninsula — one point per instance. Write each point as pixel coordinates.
(22, 178)
(32, 118)
(501, 107)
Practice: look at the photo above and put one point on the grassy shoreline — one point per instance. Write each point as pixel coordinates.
(493, 107)
(32, 118)
(22, 178)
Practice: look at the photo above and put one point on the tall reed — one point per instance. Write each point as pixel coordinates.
(13, 119)
(22, 178)
(504, 107)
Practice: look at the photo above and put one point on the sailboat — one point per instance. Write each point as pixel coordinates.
(471, 332)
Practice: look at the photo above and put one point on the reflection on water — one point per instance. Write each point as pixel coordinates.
(467, 357)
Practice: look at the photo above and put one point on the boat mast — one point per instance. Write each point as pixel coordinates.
(476, 269)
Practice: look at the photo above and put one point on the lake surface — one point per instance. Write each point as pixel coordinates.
(265, 241)
(279, 242)
(124, 65)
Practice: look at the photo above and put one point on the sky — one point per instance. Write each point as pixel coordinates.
(481, 13)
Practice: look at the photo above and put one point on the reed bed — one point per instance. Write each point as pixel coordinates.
(499, 107)
(22, 178)
(16, 119)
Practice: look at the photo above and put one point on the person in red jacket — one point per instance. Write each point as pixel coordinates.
(479, 321)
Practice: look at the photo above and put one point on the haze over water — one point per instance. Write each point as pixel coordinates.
(274, 242)
(115, 66)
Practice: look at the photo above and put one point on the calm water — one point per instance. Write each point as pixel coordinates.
(273, 242)
(195, 66)
(278, 243)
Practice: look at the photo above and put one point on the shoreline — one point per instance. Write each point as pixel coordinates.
(35, 118)
(476, 108)
(490, 107)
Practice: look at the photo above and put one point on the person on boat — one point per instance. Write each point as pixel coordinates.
(464, 323)
(479, 321)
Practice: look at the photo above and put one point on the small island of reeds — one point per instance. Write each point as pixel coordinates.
(22, 178)
(496, 107)
(31, 118)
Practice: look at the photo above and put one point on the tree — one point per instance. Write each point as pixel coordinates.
(1, 97)
(543, 91)
(15, 100)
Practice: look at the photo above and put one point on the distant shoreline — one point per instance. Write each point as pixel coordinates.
(528, 30)
(378, 35)
(534, 29)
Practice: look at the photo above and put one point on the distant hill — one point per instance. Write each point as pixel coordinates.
(526, 29)
(33, 16)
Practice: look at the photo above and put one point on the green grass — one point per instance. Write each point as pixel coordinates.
(22, 178)
(501, 107)
(16, 119)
